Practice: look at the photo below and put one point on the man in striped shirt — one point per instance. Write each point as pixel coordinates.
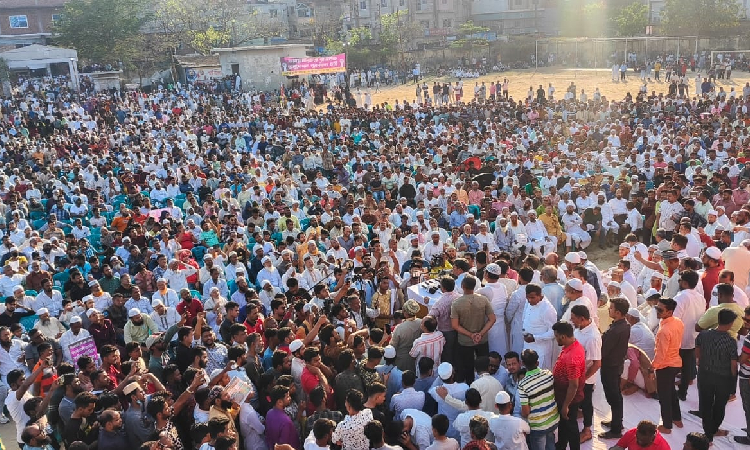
(429, 344)
(538, 406)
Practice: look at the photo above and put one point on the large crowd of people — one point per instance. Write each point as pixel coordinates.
(185, 269)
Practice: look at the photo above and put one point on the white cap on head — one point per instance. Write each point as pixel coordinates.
(296, 345)
(651, 292)
(634, 313)
(75, 319)
(713, 253)
(156, 302)
(42, 311)
(502, 398)
(614, 284)
(445, 370)
(573, 257)
(91, 311)
(134, 312)
(389, 352)
(575, 284)
(494, 269)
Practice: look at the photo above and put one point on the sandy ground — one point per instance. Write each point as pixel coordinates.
(585, 79)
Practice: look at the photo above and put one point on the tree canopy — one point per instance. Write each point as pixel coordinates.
(631, 20)
(206, 24)
(102, 30)
(700, 17)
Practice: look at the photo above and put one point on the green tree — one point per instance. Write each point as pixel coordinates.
(4, 70)
(470, 37)
(102, 30)
(700, 17)
(206, 24)
(357, 46)
(631, 20)
(396, 32)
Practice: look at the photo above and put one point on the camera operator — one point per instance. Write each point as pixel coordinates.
(363, 281)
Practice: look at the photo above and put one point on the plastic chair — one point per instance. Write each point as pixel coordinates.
(198, 253)
(29, 321)
(39, 223)
(36, 215)
(59, 279)
(58, 289)
(304, 223)
(195, 294)
(474, 209)
(31, 292)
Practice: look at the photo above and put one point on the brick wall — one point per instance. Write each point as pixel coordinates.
(39, 19)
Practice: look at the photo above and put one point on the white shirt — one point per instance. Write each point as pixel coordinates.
(582, 300)
(9, 359)
(690, 307)
(15, 408)
(462, 424)
(591, 340)
(163, 322)
(421, 432)
(170, 298)
(642, 337)
(69, 338)
(510, 432)
(251, 428)
(53, 303)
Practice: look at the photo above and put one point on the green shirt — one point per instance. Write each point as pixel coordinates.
(710, 319)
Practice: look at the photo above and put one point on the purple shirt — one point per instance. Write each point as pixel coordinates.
(441, 310)
(280, 429)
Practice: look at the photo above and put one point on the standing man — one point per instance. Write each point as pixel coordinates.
(472, 317)
(667, 363)
(538, 317)
(614, 352)
(717, 372)
(538, 407)
(570, 376)
(690, 308)
(744, 382)
(588, 335)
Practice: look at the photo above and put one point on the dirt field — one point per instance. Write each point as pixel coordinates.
(585, 79)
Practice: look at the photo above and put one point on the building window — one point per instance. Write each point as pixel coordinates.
(19, 21)
(446, 23)
(401, 2)
(56, 18)
(384, 3)
(363, 5)
(273, 13)
(419, 5)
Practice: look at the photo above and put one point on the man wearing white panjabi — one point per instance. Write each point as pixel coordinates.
(538, 317)
(574, 296)
(498, 295)
(573, 228)
(540, 241)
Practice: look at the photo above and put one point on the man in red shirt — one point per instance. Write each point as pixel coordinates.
(253, 321)
(110, 363)
(710, 277)
(189, 307)
(570, 376)
(644, 436)
(315, 374)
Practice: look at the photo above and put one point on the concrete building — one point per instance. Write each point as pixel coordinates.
(39, 60)
(259, 66)
(25, 22)
(512, 17)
